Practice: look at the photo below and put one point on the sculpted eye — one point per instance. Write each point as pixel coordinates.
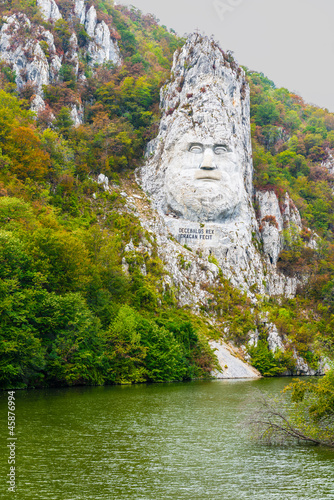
(196, 148)
(219, 150)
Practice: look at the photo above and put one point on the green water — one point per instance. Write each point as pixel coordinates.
(154, 442)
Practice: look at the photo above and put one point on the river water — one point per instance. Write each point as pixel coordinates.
(154, 442)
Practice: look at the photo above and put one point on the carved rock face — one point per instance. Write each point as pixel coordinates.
(203, 179)
(201, 168)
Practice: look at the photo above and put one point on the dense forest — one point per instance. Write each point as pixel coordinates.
(69, 314)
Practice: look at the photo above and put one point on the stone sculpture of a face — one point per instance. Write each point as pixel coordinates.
(203, 179)
(201, 167)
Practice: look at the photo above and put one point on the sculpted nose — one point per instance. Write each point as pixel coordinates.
(207, 163)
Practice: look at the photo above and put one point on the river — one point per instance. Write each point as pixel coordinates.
(177, 441)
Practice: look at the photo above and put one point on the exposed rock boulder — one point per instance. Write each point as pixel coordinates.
(275, 341)
(37, 104)
(103, 179)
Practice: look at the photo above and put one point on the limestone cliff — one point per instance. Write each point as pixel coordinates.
(29, 49)
(49, 10)
(101, 47)
(199, 171)
(20, 47)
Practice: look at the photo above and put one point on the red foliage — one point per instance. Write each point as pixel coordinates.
(271, 219)
(45, 117)
(24, 148)
(306, 234)
(320, 174)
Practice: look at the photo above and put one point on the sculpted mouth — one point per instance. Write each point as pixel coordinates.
(208, 176)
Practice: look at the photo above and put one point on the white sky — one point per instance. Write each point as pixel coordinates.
(290, 41)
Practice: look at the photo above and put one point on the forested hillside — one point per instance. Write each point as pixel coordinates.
(69, 313)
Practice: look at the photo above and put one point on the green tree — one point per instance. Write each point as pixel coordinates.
(64, 122)
(125, 352)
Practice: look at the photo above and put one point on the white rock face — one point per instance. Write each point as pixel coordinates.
(71, 55)
(232, 367)
(104, 49)
(291, 214)
(101, 48)
(91, 21)
(273, 219)
(77, 115)
(27, 57)
(303, 369)
(49, 10)
(275, 341)
(80, 10)
(31, 65)
(271, 224)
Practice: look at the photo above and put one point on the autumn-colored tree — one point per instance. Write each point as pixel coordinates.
(27, 157)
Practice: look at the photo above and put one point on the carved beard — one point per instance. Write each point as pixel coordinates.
(209, 205)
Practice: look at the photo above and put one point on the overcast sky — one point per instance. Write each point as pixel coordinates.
(290, 41)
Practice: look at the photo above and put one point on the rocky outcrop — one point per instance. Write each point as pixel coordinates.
(49, 10)
(77, 114)
(271, 224)
(25, 53)
(104, 181)
(329, 162)
(273, 219)
(33, 58)
(291, 215)
(71, 56)
(30, 51)
(80, 10)
(101, 47)
(187, 275)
